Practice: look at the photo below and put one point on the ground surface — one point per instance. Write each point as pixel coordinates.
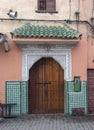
(48, 122)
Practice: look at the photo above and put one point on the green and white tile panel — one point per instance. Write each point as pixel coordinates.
(65, 99)
(24, 97)
(76, 99)
(17, 92)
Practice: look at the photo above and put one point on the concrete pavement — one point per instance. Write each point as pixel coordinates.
(48, 122)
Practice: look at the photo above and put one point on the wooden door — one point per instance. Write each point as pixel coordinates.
(46, 87)
(90, 79)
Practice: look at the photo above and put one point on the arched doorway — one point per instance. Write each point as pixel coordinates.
(46, 87)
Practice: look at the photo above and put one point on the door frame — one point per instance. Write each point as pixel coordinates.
(61, 55)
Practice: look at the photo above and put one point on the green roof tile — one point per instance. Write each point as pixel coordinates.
(27, 30)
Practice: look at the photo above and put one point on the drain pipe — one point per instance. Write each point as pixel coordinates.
(80, 21)
(36, 20)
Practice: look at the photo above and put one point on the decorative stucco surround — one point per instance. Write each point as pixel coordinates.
(32, 53)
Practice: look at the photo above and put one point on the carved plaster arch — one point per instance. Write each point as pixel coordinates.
(32, 54)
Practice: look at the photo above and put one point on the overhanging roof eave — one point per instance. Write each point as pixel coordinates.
(30, 41)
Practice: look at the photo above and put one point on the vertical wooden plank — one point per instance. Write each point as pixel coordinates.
(90, 79)
(42, 4)
(50, 5)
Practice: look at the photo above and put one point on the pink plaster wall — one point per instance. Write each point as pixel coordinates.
(11, 62)
(90, 53)
(10, 66)
(79, 60)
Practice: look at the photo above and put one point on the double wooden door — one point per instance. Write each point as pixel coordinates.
(46, 87)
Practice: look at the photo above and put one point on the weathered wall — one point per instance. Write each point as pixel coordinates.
(90, 53)
(79, 60)
(27, 9)
(10, 62)
(10, 66)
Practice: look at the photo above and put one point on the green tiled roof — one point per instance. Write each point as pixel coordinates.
(37, 31)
